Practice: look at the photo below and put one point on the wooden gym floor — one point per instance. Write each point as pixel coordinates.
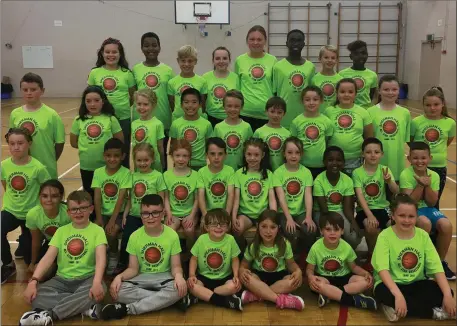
(13, 305)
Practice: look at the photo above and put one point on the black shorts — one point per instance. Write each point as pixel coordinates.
(211, 284)
(253, 220)
(382, 215)
(271, 278)
(338, 281)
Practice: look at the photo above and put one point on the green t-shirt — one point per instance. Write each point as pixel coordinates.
(215, 258)
(331, 262)
(314, 133)
(407, 181)
(182, 191)
(256, 83)
(110, 186)
(274, 138)
(234, 137)
(293, 184)
(253, 192)
(365, 80)
(92, 134)
(327, 84)
(36, 219)
(268, 259)
(407, 261)
(348, 126)
(144, 184)
(156, 78)
(154, 253)
(76, 250)
(47, 129)
(333, 194)
(392, 128)
(149, 131)
(196, 132)
(116, 84)
(22, 186)
(215, 185)
(217, 87)
(288, 82)
(179, 84)
(435, 133)
(373, 186)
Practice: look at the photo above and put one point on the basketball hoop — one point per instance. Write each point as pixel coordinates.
(201, 21)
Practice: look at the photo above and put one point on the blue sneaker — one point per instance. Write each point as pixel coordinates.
(364, 302)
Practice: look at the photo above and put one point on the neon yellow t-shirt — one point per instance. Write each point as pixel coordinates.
(407, 181)
(274, 138)
(150, 131)
(373, 187)
(181, 192)
(333, 194)
(144, 184)
(268, 259)
(215, 185)
(217, 87)
(36, 219)
(365, 80)
(327, 84)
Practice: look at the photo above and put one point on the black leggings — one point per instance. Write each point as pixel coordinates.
(9, 223)
(421, 297)
(86, 177)
(214, 121)
(442, 172)
(254, 122)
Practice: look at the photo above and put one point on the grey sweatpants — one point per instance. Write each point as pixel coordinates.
(64, 298)
(350, 237)
(148, 292)
(302, 239)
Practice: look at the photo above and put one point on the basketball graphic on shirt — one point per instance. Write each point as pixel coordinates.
(50, 230)
(274, 143)
(219, 92)
(140, 134)
(151, 80)
(183, 88)
(331, 265)
(345, 121)
(432, 135)
(18, 183)
(30, 126)
(254, 188)
(181, 192)
(335, 198)
(233, 141)
(328, 89)
(360, 83)
(372, 189)
(218, 189)
(293, 187)
(109, 84)
(409, 260)
(312, 132)
(257, 72)
(139, 189)
(297, 80)
(75, 247)
(110, 189)
(152, 255)
(214, 260)
(190, 135)
(389, 127)
(269, 264)
(93, 130)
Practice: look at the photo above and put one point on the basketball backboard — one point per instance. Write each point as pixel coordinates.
(214, 12)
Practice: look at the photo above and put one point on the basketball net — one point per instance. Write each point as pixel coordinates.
(201, 21)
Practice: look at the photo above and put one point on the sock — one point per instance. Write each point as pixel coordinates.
(128, 309)
(218, 300)
(346, 299)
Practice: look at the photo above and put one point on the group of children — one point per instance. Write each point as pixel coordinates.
(293, 176)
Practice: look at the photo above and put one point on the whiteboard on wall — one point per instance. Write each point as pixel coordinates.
(37, 56)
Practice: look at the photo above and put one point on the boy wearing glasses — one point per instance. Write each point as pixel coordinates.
(80, 249)
(154, 278)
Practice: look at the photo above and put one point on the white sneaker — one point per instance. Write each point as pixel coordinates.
(390, 313)
(112, 264)
(91, 312)
(440, 314)
(322, 300)
(36, 317)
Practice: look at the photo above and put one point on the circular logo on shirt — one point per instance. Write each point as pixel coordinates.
(432, 135)
(219, 92)
(218, 188)
(151, 80)
(75, 247)
(139, 189)
(254, 188)
(109, 84)
(257, 72)
(183, 88)
(328, 89)
(181, 192)
(409, 260)
(293, 187)
(190, 135)
(93, 130)
(372, 189)
(30, 126)
(332, 265)
(50, 230)
(335, 198)
(269, 264)
(18, 183)
(274, 143)
(233, 141)
(110, 189)
(389, 127)
(140, 134)
(214, 260)
(312, 132)
(345, 121)
(297, 80)
(360, 83)
(152, 255)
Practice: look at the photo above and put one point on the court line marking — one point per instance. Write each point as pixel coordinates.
(68, 171)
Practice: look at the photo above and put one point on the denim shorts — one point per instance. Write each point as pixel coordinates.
(432, 214)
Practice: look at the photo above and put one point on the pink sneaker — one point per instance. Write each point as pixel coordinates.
(290, 301)
(247, 297)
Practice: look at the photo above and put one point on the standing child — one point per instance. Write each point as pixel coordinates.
(192, 127)
(268, 269)
(332, 271)
(154, 279)
(215, 255)
(149, 129)
(111, 184)
(437, 129)
(43, 123)
(233, 130)
(327, 78)
(351, 124)
(21, 178)
(112, 73)
(423, 184)
(403, 258)
(187, 59)
(365, 79)
(291, 75)
(91, 129)
(272, 133)
(391, 124)
(80, 250)
(215, 181)
(334, 192)
(219, 81)
(313, 129)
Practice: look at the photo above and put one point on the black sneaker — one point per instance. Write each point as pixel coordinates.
(19, 253)
(183, 303)
(450, 275)
(114, 311)
(8, 271)
(234, 302)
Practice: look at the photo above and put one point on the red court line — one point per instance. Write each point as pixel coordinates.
(343, 317)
